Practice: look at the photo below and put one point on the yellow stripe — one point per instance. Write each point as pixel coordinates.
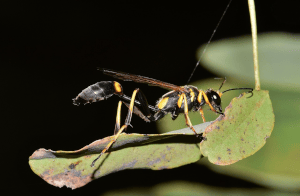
(192, 95)
(179, 102)
(118, 87)
(200, 96)
(163, 103)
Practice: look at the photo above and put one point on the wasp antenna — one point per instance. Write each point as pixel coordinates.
(232, 89)
(222, 83)
(100, 68)
(215, 30)
(251, 93)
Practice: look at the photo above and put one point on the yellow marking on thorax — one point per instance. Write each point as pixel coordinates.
(163, 103)
(179, 102)
(219, 93)
(192, 95)
(200, 96)
(118, 87)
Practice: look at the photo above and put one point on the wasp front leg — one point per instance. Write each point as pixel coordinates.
(186, 111)
(200, 101)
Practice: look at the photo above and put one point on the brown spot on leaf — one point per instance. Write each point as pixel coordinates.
(71, 179)
(212, 126)
(229, 151)
(163, 167)
(42, 153)
(154, 162)
(229, 106)
(73, 165)
(169, 148)
(241, 95)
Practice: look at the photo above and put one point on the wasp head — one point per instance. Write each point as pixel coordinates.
(215, 99)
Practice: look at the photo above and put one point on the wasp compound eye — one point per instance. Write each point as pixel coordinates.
(216, 98)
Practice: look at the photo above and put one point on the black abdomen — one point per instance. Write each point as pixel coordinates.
(97, 92)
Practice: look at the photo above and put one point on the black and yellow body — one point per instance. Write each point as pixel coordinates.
(173, 102)
(178, 100)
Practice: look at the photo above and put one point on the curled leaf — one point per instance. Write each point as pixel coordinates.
(247, 123)
(130, 151)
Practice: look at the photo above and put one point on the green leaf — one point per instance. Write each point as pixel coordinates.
(277, 164)
(278, 55)
(130, 151)
(247, 123)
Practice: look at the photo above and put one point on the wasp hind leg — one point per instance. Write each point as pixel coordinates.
(144, 113)
(119, 130)
(138, 112)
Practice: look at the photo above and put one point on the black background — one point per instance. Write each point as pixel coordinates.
(49, 54)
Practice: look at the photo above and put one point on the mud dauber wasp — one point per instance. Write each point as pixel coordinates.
(181, 99)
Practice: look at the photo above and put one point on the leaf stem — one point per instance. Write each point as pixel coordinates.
(254, 43)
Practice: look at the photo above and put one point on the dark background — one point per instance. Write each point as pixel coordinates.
(49, 54)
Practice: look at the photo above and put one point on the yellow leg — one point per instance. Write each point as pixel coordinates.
(129, 115)
(200, 100)
(206, 100)
(202, 114)
(109, 144)
(118, 119)
(187, 118)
